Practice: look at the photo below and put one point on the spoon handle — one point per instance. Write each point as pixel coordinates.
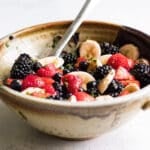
(74, 26)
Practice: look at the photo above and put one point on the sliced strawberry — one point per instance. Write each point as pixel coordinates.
(126, 82)
(47, 71)
(123, 74)
(32, 81)
(118, 60)
(83, 96)
(125, 92)
(72, 82)
(8, 81)
(40, 94)
(58, 70)
(131, 63)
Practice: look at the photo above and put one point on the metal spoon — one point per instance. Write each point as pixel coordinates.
(88, 5)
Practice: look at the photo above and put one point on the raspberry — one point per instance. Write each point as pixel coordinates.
(32, 81)
(47, 71)
(49, 89)
(47, 80)
(72, 82)
(118, 60)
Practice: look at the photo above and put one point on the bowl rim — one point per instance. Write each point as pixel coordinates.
(136, 96)
(41, 26)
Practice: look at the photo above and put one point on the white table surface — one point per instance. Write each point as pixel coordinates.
(17, 14)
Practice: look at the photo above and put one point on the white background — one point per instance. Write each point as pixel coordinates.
(17, 14)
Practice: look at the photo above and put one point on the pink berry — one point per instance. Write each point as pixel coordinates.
(72, 82)
(47, 71)
(32, 81)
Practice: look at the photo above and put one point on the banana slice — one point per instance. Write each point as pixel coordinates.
(104, 83)
(72, 99)
(104, 97)
(57, 61)
(84, 76)
(104, 58)
(31, 90)
(130, 51)
(132, 87)
(90, 49)
(142, 61)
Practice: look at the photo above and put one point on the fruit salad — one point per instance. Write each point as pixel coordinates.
(91, 71)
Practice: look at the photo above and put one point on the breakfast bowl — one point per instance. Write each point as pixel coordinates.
(66, 119)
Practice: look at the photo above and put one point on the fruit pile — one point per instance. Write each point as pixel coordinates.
(92, 71)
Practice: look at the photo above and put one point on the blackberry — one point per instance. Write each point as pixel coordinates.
(69, 58)
(69, 68)
(102, 71)
(142, 73)
(114, 88)
(57, 86)
(56, 97)
(65, 93)
(65, 71)
(22, 67)
(57, 77)
(16, 85)
(36, 66)
(108, 48)
(92, 88)
(83, 66)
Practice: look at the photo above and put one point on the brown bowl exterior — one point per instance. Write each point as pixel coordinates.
(65, 119)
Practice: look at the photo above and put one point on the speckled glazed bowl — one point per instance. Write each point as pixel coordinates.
(64, 119)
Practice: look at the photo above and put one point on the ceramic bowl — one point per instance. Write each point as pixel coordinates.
(64, 119)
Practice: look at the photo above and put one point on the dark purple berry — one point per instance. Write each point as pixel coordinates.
(16, 85)
(83, 66)
(57, 77)
(37, 66)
